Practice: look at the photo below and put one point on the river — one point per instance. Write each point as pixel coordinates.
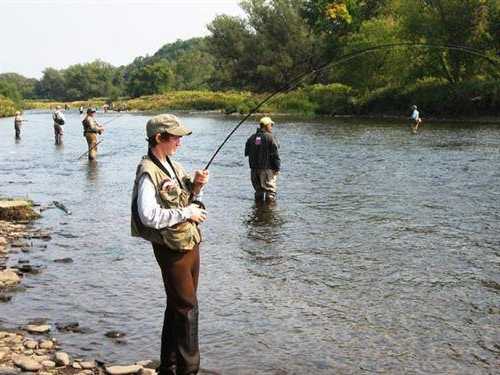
(382, 253)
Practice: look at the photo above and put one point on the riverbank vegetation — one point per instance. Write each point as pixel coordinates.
(245, 58)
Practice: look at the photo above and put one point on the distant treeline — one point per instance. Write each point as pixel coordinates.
(277, 40)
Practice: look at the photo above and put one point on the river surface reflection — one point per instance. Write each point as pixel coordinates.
(381, 254)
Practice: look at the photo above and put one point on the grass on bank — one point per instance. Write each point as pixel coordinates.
(434, 98)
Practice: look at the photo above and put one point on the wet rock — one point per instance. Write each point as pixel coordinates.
(62, 358)
(48, 364)
(23, 261)
(26, 363)
(9, 278)
(114, 334)
(63, 260)
(46, 344)
(33, 328)
(123, 370)
(19, 243)
(87, 365)
(72, 327)
(30, 344)
(146, 363)
(13, 210)
(9, 371)
(5, 298)
(85, 372)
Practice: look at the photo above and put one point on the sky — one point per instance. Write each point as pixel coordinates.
(37, 34)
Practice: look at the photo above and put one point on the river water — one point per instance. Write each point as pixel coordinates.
(381, 255)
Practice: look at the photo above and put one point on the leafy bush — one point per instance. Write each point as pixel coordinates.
(331, 99)
(7, 107)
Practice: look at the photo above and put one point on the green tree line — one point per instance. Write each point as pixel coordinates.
(277, 40)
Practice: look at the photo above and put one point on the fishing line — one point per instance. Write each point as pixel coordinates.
(349, 56)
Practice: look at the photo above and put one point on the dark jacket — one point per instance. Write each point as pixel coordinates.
(262, 151)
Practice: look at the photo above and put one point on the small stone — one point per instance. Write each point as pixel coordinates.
(147, 371)
(123, 370)
(46, 344)
(34, 328)
(85, 372)
(26, 363)
(114, 334)
(88, 365)
(76, 365)
(48, 364)
(41, 352)
(30, 344)
(28, 352)
(62, 358)
(63, 260)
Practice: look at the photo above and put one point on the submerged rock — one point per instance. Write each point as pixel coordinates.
(114, 334)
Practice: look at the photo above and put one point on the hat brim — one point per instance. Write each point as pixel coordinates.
(179, 131)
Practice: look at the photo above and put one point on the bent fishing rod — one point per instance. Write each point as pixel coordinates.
(349, 56)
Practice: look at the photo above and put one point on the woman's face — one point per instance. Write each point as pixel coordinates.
(170, 145)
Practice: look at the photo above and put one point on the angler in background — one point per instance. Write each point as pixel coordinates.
(80, 109)
(59, 121)
(18, 122)
(415, 117)
(90, 131)
(164, 212)
(264, 159)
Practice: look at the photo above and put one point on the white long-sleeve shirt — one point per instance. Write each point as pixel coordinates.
(151, 213)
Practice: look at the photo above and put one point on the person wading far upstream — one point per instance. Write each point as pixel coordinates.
(416, 120)
(264, 160)
(164, 212)
(90, 130)
(59, 121)
(18, 122)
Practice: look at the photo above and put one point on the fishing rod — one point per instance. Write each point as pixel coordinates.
(102, 139)
(349, 56)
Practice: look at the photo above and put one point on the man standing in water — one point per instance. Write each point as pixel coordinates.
(18, 122)
(415, 117)
(59, 121)
(263, 157)
(90, 130)
(164, 212)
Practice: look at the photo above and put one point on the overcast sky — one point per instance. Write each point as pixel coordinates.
(36, 34)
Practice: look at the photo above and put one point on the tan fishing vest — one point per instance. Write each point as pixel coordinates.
(181, 237)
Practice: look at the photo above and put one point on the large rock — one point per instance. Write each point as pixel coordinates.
(35, 328)
(62, 358)
(26, 363)
(9, 278)
(123, 370)
(12, 210)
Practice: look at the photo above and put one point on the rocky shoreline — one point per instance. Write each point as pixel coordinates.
(30, 348)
